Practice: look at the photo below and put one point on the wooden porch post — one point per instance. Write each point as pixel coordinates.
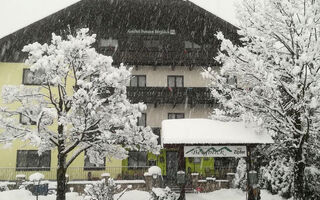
(253, 193)
(182, 167)
(249, 168)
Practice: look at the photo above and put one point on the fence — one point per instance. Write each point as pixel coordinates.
(77, 173)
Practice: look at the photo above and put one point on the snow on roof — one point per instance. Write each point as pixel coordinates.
(207, 131)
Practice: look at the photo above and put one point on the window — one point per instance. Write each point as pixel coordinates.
(157, 131)
(32, 78)
(26, 120)
(109, 43)
(175, 81)
(224, 165)
(92, 166)
(191, 45)
(138, 81)
(152, 44)
(108, 46)
(137, 159)
(175, 115)
(142, 121)
(29, 160)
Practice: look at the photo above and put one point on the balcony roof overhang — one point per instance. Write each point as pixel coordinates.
(210, 132)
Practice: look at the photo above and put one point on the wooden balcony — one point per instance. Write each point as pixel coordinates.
(163, 58)
(165, 95)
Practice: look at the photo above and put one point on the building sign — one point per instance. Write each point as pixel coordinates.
(215, 151)
(154, 32)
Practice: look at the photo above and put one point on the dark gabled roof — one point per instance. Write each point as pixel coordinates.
(121, 19)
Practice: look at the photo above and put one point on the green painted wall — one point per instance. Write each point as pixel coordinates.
(205, 167)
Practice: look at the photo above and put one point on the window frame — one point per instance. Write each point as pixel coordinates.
(138, 77)
(137, 160)
(175, 115)
(25, 71)
(157, 132)
(232, 80)
(145, 119)
(92, 168)
(175, 80)
(38, 168)
(153, 44)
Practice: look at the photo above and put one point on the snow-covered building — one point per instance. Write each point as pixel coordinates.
(167, 42)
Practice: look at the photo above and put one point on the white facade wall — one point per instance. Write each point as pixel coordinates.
(157, 77)
(155, 115)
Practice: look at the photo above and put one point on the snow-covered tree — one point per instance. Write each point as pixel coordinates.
(277, 67)
(80, 106)
(277, 177)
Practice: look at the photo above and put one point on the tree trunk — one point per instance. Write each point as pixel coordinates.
(299, 166)
(62, 169)
(61, 178)
(299, 161)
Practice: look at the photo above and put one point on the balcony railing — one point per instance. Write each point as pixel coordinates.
(162, 58)
(166, 95)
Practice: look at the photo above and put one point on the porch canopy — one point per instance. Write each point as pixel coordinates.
(210, 132)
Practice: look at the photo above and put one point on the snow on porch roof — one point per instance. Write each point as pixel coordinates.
(206, 131)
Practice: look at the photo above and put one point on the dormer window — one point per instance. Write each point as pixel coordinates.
(152, 44)
(108, 46)
(108, 43)
(191, 45)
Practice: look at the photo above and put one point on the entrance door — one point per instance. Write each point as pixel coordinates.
(172, 166)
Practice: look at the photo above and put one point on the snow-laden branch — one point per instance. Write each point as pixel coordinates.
(278, 76)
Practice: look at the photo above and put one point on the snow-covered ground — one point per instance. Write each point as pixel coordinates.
(26, 195)
(225, 194)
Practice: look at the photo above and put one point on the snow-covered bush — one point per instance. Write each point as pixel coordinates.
(103, 191)
(3, 187)
(278, 177)
(312, 176)
(155, 170)
(36, 177)
(240, 178)
(163, 194)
